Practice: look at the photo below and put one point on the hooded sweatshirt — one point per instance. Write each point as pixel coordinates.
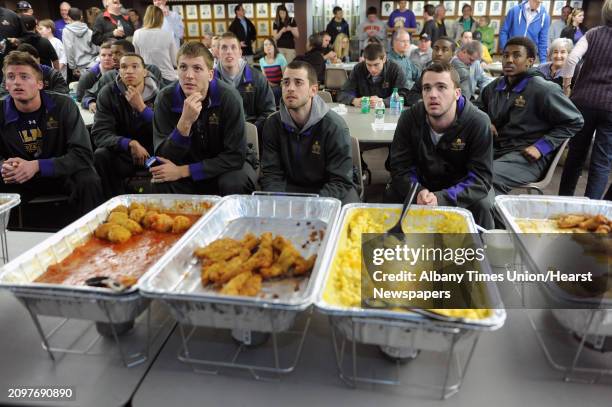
(515, 25)
(257, 96)
(316, 156)
(116, 122)
(457, 169)
(532, 111)
(80, 51)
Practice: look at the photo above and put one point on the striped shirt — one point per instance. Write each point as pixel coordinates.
(273, 71)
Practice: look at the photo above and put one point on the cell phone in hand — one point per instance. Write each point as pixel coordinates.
(152, 162)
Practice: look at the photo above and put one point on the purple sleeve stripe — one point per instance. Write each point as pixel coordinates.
(455, 190)
(47, 169)
(179, 139)
(543, 146)
(147, 114)
(124, 143)
(197, 171)
(86, 101)
(413, 175)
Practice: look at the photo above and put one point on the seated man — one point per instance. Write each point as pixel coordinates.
(530, 118)
(444, 142)
(314, 56)
(307, 147)
(468, 59)
(198, 132)
(123, 124)
(118, 49)
(375, 77)
(400, 45)
(89, 78)
(52, 78)
(45, 147)
(257, 96)
(443, 52)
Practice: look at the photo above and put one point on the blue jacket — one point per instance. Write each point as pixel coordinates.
(515, 25)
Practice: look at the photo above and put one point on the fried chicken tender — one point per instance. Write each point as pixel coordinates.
(101, 231)
(304, 266)
(235, 284)
(603, 229)
(570, 221)
(219, 250)
(264, 255)
(180, 224)
(162, 223)
(136, 205)
(137, 214)
(250, 241)
(147, 220)
(594, 222)
(120, 208)
(252, 286)
(286, 259)
(223, 271)
(118, 234)
(117, 217)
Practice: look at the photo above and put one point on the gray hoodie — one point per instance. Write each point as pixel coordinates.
(316, 157)
(80, 51)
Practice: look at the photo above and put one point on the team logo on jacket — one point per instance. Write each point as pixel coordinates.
(458, 145)
(385, 85)
(52, 123)
(213, 119)
(520, 101)
(316, 148)
(5, 22)
(249, 87)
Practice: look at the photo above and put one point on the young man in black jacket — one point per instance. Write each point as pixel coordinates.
(530, 116)
(257, 97)
(375, 77)
(53, 80)
(198, 131)
(45, 147)
(92, 75)
(444, 142)
(244, 30)
(123, 124)
(118, 49)
(307, 147)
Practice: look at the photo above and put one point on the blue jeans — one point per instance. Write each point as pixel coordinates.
(600, 122)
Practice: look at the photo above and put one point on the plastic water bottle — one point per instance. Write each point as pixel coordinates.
(73, 94)
(394, 104)
(379, 113)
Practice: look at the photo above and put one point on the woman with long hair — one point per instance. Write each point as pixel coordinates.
(342, 47)
(272, 65)
(285, 32)
(156, 46)
(574, 29)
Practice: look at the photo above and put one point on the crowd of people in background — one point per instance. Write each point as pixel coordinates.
(465, 136)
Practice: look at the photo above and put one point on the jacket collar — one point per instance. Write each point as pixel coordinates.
(108, 15)
(11, 113)
(213, 96)
(247, 74)
(503, 85)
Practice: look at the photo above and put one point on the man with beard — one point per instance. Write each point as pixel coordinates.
(444, 143)
(307, 146)
(198, 132)
(123, 124)
(45, 147)
(530, 116)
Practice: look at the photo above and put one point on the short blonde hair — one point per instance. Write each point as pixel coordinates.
(153, 18)
(47, 24)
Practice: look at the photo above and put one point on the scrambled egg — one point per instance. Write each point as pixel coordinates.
(343, 287)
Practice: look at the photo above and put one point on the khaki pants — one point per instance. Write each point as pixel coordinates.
(288, 53)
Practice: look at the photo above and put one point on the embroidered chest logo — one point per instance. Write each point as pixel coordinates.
(520, 101)
(457, 145)
(52, 123)
(385, 85)
(213, 119)
(316, 148)
(5, 22)
(249, 88)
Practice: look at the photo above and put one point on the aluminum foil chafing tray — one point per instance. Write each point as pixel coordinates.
(401, 329)
(84, 302)
(526, 207)
(176, 281)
